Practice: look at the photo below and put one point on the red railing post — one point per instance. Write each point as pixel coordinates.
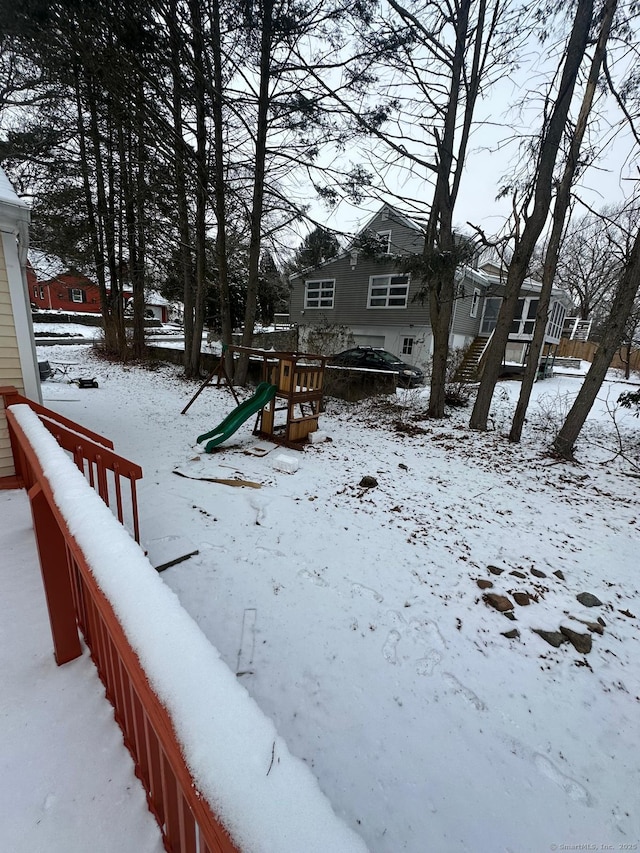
(56, 578)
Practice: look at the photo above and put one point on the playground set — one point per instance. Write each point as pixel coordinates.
(291, 383)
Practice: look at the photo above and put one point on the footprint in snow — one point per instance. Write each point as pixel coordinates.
(469, 695)
(389, 650)
(314, 577)
(573, 789)
(427, 664)
(428, 643)
(359, 589)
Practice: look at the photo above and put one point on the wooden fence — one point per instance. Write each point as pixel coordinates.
(74, 599)
(587, 349)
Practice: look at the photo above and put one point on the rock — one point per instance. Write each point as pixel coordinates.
(538, 573)
(595, 627)
(512, 634)
(495, 570)
(522, 598)
(589, 600)
(554, 638)
(510, 615)
(580, 642)
(559, 574)
(500, 602)
(368, 482)
(484, 584)
(518, 574)
(602, 622)
(403, 466)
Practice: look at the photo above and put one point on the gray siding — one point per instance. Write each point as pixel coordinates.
(352, 284)
(351, 296)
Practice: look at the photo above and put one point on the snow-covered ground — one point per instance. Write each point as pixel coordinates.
(354, 617)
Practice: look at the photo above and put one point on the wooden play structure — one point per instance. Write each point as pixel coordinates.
(291, 414)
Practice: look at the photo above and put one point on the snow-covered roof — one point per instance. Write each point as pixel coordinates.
(12, 208)
(154, 297)
(45, 266)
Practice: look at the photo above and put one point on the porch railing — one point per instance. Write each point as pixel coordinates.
(93, 455)
(74, 599)
(159, 671)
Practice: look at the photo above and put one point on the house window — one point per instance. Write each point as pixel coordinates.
(41, 292)
(77, 294)
(388, 291)
(475, 301)
(490, 317)
(525, 317)
(35, 291)
(407, 346)
(319, 294)
(556, 321)
(384, 238)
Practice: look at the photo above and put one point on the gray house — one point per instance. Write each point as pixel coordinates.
(361, 299)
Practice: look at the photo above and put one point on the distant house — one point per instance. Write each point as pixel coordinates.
(359, 299)
(18, 362)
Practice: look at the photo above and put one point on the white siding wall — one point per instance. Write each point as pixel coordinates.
(10, 372)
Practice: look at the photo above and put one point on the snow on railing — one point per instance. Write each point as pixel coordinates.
(94, 456)
(218, 777)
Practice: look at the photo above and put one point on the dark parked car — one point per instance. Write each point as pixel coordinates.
(371, 358)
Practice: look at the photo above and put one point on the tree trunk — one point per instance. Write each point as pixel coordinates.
(440, 228)
(95, 232)
(182, 207)
(536, 220)
(561, 207)
(612, 335)
(257, 206)
(219, 188)
(192, 367)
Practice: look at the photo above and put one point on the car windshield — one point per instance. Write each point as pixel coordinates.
(386, 356)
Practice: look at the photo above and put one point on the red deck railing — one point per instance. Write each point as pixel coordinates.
(74, 599)
(94, 456)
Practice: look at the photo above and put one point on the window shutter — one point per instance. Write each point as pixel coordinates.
(84, 295)
(70, 294)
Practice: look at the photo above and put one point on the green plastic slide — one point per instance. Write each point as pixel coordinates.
(263, 394)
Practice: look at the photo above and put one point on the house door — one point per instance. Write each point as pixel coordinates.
(490, 314)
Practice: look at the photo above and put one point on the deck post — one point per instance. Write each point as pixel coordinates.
(56, 579)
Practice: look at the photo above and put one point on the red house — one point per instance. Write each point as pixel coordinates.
(68, 291)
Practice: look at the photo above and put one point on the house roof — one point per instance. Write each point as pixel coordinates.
(45, 266)
(13, 209)
(398, 217)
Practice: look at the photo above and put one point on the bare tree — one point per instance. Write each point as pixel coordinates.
(561, 207)
(612, 335)
(536, 217)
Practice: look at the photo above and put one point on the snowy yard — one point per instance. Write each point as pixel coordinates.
(354, 616)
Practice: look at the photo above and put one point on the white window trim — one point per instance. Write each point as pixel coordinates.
(375, 282)
(475, 301)
(76, 292)
(320, 285)
(407, 345)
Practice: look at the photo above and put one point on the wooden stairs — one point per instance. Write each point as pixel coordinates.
(471, 368)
